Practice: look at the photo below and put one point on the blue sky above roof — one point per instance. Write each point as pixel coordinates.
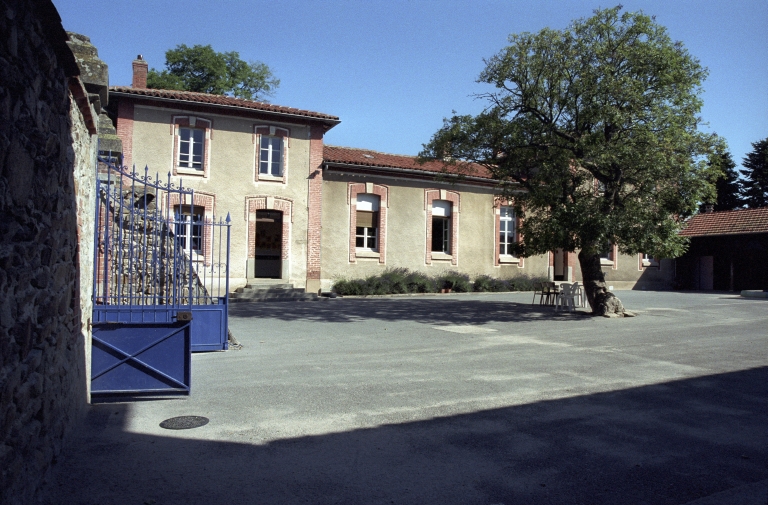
(393, 70)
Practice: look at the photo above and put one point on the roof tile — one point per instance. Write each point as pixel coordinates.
(375, 159)
(729, 222)
(206, 98)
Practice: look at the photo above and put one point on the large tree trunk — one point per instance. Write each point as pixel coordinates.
(603, 302)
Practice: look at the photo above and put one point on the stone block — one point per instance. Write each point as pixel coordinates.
(93, 71)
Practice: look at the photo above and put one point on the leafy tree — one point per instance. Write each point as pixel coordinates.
(728, 184)
(755, 185)
(597, 125)
(200, 68)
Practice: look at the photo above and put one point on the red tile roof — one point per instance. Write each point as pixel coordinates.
(221, 100)
(374, 159)
(729, 222)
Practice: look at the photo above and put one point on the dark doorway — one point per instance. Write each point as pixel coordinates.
(269, 244)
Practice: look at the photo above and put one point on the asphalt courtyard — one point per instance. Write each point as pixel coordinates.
(450, 399)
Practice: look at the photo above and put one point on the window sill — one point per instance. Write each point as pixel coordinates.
(439, 256)
(605, 262)
(270, 178)
(367, 254)
(650, 264)
(509, 260)
(190, 171)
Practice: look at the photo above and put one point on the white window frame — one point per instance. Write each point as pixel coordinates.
(191, 164)
(648, 261)
(185, 226)
(442, 212)
(368, 203)
(507, 219)
(607, 258)
(272, 140)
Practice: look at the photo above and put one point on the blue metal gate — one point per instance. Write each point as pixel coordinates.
(161, 283)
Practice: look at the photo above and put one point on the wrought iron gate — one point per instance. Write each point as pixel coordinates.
(161, 283)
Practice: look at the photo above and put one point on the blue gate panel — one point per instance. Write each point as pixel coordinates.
(141, 359)
(209, 327)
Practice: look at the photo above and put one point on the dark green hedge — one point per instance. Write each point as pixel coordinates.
(402, 280)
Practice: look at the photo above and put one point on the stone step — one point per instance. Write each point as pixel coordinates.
(267, 286)
(270, 290)
(265, 295)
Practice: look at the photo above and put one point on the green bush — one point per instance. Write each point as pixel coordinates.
(421, 283)
(454, 281)
(402, 280)
(518, 283)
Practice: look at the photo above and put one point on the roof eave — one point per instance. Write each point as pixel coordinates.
(417, 173)
(330, 123)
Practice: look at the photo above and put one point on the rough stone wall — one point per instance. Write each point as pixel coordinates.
(42, 323)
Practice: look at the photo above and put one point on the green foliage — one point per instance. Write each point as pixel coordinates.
(517, 283)
(598, 124)
(728, 184)
(755, 173)
(200, 68)
(402, 280)
(454, 281)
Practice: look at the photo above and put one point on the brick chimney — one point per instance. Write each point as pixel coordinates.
(140, 69)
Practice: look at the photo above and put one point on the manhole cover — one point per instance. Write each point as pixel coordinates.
(184, 422)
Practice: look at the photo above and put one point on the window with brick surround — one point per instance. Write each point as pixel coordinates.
(368, 204)
(441, 227)
(271, 156)
(645, 260)
(189, 221)
(507, 231)
(608, 255)
(188, 228)
(191, 145)
(272, 143)
(442, 208)
(367, 223)
(507, 234)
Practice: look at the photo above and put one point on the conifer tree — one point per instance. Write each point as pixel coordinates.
(755, 185)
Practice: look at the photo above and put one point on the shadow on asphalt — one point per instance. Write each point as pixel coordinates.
(669, 443)
(430, 310)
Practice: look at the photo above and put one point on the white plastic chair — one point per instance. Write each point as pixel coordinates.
(566, 296)
(580, 294)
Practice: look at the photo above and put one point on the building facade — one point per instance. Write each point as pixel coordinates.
(309, 213)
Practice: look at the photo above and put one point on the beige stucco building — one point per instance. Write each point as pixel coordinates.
(309, 213)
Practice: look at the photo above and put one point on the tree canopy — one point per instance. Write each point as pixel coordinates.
(200, 68)
(592, 132)
(755, 185)
(728, 185)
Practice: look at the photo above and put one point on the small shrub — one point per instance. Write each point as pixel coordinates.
(395, 280)
(524, 282)
(421, 283)
(454, 281)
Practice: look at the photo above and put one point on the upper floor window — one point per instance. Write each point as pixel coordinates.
(271, 156)
(367, 222)
(441, 226)
(192, 137)
(272, 144)
(191, 148)
(507, 231)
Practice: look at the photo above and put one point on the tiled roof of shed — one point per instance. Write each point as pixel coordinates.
(729, 222)
(221, 100)
(375, 159)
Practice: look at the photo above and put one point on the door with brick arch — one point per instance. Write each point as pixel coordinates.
(269, 244)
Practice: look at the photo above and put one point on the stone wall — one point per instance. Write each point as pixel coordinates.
(46, 140)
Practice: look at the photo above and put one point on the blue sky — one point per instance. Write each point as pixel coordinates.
(393, 70)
